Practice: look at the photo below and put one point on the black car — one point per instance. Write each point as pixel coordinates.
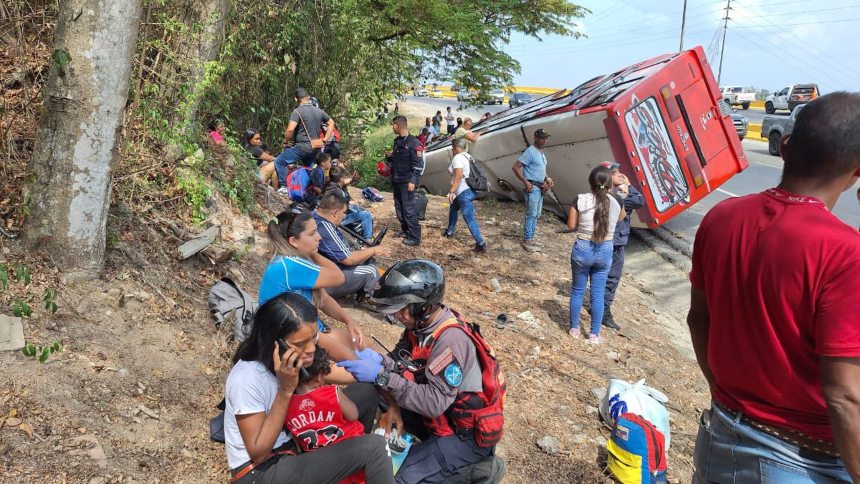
(518, 99)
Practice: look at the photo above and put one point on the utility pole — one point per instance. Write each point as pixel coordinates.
(723, 47)
(683, 21)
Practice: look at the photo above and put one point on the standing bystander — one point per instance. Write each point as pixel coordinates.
(461, 197)
(774, 315)
(530, 168)
(449, 120)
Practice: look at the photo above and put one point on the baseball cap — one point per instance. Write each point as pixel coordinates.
(542, 133)
(611, 165)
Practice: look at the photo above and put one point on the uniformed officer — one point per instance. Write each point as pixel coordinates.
(443, 375)
(407, 164)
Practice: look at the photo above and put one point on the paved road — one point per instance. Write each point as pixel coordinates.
(475, 112)
(764, 172)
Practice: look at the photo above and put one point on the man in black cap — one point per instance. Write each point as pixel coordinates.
(530, 168)
(406, 160)
(632, 200)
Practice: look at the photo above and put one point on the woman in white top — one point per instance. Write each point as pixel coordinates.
(593, 216)
(258, 392)
(461, 197)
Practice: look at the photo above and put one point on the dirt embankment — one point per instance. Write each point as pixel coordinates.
(129, 397)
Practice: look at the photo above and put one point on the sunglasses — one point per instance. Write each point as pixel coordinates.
(288, 216)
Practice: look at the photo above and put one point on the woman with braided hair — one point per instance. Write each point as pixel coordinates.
(593, 217)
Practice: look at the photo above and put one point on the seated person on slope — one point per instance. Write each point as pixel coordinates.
(339, 183)
(360, 273)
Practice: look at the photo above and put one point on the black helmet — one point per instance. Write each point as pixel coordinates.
(418, 283)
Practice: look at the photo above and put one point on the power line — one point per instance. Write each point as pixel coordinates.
(803, 23)
(834, 64)
(725, 30)
(788, 59)
(542, 52)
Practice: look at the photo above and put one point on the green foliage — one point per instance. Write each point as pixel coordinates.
(42, 353)
(4, 276)
(112, 240)
(21, 309)
(196, 192)
(22, 274)
(50, 299)
(377, 140)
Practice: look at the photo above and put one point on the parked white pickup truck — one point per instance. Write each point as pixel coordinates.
(736, 96)
(790, 97)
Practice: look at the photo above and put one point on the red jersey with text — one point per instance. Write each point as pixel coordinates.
(316, 420)
(781, 277)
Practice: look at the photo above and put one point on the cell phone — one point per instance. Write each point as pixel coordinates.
(282, 348)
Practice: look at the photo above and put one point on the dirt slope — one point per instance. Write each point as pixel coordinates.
(128, 399)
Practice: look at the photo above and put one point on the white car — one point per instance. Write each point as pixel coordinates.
(420, 92)
(496, 96)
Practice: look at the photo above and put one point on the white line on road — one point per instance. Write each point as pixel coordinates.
(727, 192)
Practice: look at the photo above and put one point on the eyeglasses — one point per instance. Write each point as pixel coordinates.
(288, 216)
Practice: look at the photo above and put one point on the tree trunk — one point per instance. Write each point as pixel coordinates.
(203, 48)
(77, 138)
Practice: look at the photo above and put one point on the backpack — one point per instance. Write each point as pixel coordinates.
(225, 297)
(298, 183)
(622, 397)
(637, 451)
(476, 180)
(372, 194)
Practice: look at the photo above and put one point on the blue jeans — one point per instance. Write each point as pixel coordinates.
(359, 214)
(464, 204)
(589, 260)
(728, 450)
(534, 206)
(290, 156)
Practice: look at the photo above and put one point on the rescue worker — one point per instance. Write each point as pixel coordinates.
(442, 374)
(406, 160)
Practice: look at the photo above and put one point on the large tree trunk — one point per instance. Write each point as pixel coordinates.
(203, 48)
(78, 133)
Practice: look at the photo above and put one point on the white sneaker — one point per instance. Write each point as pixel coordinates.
(574, 333)
(594, 339)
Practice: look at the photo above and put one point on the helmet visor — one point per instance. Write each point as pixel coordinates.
(390, 305)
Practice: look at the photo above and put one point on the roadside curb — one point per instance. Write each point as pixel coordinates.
(754, 133)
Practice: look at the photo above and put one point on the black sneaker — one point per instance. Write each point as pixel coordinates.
(447, 234)
(609, 321)
(411, 242)
(479, 249)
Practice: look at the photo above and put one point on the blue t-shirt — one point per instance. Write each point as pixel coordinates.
(333, 245)
(288, 274)
(534, 164)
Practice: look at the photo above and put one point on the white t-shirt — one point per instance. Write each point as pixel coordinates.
(251, 388)
(461, 161)
(450, 118)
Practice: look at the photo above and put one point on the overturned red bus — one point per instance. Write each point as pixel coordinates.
(659, 119)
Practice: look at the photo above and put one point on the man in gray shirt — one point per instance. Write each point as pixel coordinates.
(302, 132)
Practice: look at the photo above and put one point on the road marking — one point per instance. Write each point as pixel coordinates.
(727, 192)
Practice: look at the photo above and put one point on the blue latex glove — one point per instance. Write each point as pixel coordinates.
(369, 354)
(364, 371)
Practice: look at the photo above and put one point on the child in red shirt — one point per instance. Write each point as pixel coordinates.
(320, 415)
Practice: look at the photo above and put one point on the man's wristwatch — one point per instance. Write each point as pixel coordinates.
(382, 378)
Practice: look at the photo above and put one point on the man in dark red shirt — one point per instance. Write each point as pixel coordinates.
(775, 315)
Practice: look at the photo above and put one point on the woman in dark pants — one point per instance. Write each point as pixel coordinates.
(258, 392)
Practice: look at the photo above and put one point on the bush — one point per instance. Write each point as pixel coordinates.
(376, 141)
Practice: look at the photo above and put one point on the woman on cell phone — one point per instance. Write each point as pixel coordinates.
(259, 389)
(297, 267)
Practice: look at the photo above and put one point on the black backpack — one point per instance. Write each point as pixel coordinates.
(476, 180)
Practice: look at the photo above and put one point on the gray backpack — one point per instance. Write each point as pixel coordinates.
(227, 297)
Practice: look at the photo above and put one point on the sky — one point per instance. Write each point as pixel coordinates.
(769, 43)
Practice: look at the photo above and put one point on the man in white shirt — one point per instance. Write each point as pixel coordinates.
(460, 197)
(450, 120)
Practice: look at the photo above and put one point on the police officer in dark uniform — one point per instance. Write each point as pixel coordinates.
(443, 375)
(407, 163)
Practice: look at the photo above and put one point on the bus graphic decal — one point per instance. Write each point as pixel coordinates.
(662, 170)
